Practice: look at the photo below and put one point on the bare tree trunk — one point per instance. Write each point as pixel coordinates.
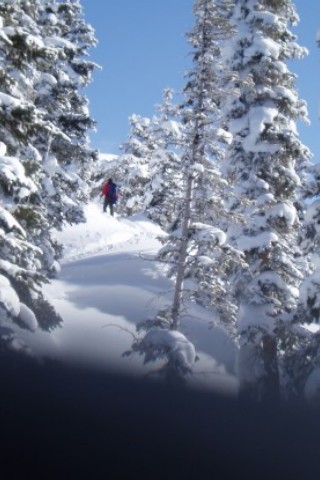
(177, 299)
(258, 371)
(271, 392)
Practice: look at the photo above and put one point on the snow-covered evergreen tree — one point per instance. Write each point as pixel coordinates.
(59, 90)
(208, 260)
(134, 169)
(266, 161)
(165, 188)
(198, 258)
(304, 362)
(44, 148)
(149, 169)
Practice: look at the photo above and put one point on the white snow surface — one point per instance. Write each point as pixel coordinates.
(180, 348)
(284, 210)
(255, 315)
(261, 241)
(265, 46)
(8, 101)
(208, 232)
(28, 317)
(11, 169)
(8, 297)
(109, 282)
(10, 222)
(259, 117)
(3, 149)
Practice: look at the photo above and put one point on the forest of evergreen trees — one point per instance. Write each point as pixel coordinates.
(219, 167)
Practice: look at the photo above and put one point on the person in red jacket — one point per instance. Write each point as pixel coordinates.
(109, 191)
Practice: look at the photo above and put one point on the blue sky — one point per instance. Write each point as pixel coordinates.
(142, 49)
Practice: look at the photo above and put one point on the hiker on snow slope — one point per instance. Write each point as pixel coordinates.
(109, 191)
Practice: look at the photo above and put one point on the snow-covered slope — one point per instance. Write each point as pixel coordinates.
(109, 282)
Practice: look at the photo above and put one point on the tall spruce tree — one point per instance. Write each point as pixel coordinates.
(165, 187)
(304, 362)
(68, 160)
(42, 44)
(302, 352)
(198, 257)
(266, 162)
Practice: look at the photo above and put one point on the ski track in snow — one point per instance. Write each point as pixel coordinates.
(112, 234)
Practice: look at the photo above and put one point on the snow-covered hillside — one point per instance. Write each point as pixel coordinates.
(108, 283)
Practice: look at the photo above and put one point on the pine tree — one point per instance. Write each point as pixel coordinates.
(133, 172)
(149, 169)
(43, 145)
(209, 260)
(165, 187)
(266, 162)
(198, 258)
(302, 351)
(58, 89)
(304, 361)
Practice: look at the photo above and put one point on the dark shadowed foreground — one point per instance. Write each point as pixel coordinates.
(60, 421)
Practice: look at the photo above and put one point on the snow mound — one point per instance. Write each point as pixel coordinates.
(177, 347)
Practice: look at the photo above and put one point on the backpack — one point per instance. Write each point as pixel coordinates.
(113, 192)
